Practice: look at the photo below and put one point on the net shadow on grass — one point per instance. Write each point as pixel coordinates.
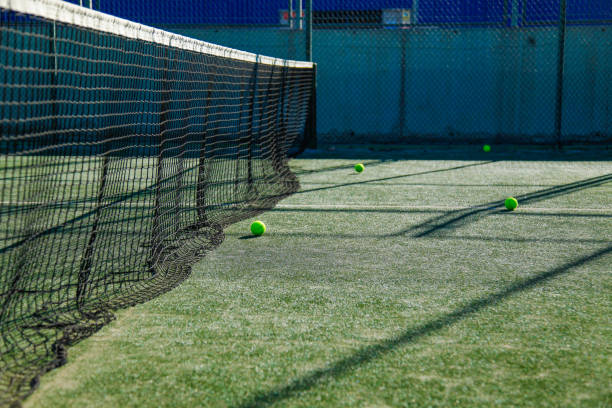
(367, 354)
(455, 219)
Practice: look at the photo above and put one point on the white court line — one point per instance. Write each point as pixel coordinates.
(438, 207)
(353, 206)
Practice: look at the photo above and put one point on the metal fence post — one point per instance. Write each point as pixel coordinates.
(311, 124)
(309, 30)
(560, 72)
(300, 14)
(514, 13)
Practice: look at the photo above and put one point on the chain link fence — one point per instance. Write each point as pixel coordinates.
(425, 71)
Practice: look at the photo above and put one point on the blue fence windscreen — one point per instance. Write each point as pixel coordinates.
(435, 12)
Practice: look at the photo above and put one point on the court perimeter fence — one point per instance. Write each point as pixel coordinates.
(423, 71)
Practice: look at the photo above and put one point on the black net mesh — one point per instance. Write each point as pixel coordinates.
(121, 161)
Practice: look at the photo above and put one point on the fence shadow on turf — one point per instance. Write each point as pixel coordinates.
(367, 354)
(421, 173)
(458, 218)
(523, 239)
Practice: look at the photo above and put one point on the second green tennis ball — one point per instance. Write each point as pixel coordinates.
(486, 148)
(359, 167)
(258, 228)
(511, 203)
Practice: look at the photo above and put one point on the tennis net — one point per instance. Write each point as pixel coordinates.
(124, 152)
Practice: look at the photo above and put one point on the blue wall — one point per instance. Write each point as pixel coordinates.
(154, 12)
(462, 11)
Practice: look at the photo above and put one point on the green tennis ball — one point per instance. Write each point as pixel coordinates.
(258, 228)
(486, 148)
(511, 203)
(359, 167)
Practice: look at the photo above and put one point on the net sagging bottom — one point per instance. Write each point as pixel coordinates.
(124, 152)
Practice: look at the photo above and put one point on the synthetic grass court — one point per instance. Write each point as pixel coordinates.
(405, 285)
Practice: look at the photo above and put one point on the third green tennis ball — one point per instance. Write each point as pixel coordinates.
(258, 228)
(359, 167)
(486, 148)
(511, 203)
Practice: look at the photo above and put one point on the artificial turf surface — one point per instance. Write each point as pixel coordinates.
(406, 285)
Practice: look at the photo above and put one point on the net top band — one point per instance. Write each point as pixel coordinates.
(64, 12)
